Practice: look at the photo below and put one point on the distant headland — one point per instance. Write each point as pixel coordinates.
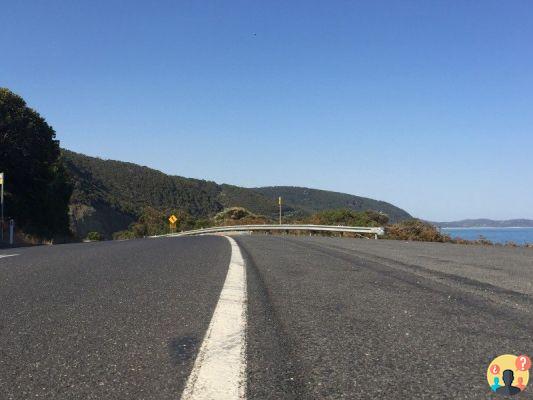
(486, 223)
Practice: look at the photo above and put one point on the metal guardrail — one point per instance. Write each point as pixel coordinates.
(378, 231)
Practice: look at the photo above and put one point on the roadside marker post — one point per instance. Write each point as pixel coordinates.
(11, 232)
(2, 205)
(279, 203)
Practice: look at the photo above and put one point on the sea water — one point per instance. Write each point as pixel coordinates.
(495, 235)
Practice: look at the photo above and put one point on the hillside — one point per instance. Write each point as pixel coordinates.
(109, 195)
(311, 200)
(486, 223)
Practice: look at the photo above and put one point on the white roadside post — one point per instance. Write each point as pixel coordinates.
(11, 231)
(2, 205)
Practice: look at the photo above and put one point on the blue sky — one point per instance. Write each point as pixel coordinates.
(426, 104)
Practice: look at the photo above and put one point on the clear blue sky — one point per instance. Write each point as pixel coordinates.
(426, 104)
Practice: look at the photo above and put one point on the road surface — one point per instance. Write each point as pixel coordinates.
(322, 318)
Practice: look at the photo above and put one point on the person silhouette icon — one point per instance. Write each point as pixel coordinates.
(496, 384)
(520, 384)
(508, 378)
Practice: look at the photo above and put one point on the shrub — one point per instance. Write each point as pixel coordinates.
(346, 217)
(124, 235)
(239, 216)
(417, 230)
(94, 236)
(202, 223)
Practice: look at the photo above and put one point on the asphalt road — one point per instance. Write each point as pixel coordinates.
(112, 320)
(326, 318)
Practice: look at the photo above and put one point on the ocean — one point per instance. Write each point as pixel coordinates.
(496, 235)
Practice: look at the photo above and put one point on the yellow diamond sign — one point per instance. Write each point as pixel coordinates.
(173, 219)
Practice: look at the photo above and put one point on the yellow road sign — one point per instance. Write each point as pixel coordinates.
(173, 219)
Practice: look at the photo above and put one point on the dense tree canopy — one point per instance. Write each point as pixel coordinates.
(36, 188)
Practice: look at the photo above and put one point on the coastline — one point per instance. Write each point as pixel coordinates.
(486, 227)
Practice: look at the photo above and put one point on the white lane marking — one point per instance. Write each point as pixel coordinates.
(219, 371)
(8, 255)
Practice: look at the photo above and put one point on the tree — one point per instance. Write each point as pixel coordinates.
(36, 185)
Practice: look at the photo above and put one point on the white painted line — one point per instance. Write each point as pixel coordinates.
(8, 255)
(219, 371)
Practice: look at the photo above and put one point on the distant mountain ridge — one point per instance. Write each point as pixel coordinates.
(109, 195)
(486, 223)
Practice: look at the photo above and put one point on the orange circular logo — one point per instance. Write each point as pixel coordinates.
(509, 374)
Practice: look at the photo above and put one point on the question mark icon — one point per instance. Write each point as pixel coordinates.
(523, 363)
(495, 369)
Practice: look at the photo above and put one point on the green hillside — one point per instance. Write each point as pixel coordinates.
(311, 200)
(109, 195)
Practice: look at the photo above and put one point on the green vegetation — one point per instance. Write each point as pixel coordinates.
(304, 201)
(239, 216)
(46, 188)
(109, 196)
(36, 188)
(417, 230)
(231, 196)
(345, 217)
(155, 222)
(50, 192)
(94, 236)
